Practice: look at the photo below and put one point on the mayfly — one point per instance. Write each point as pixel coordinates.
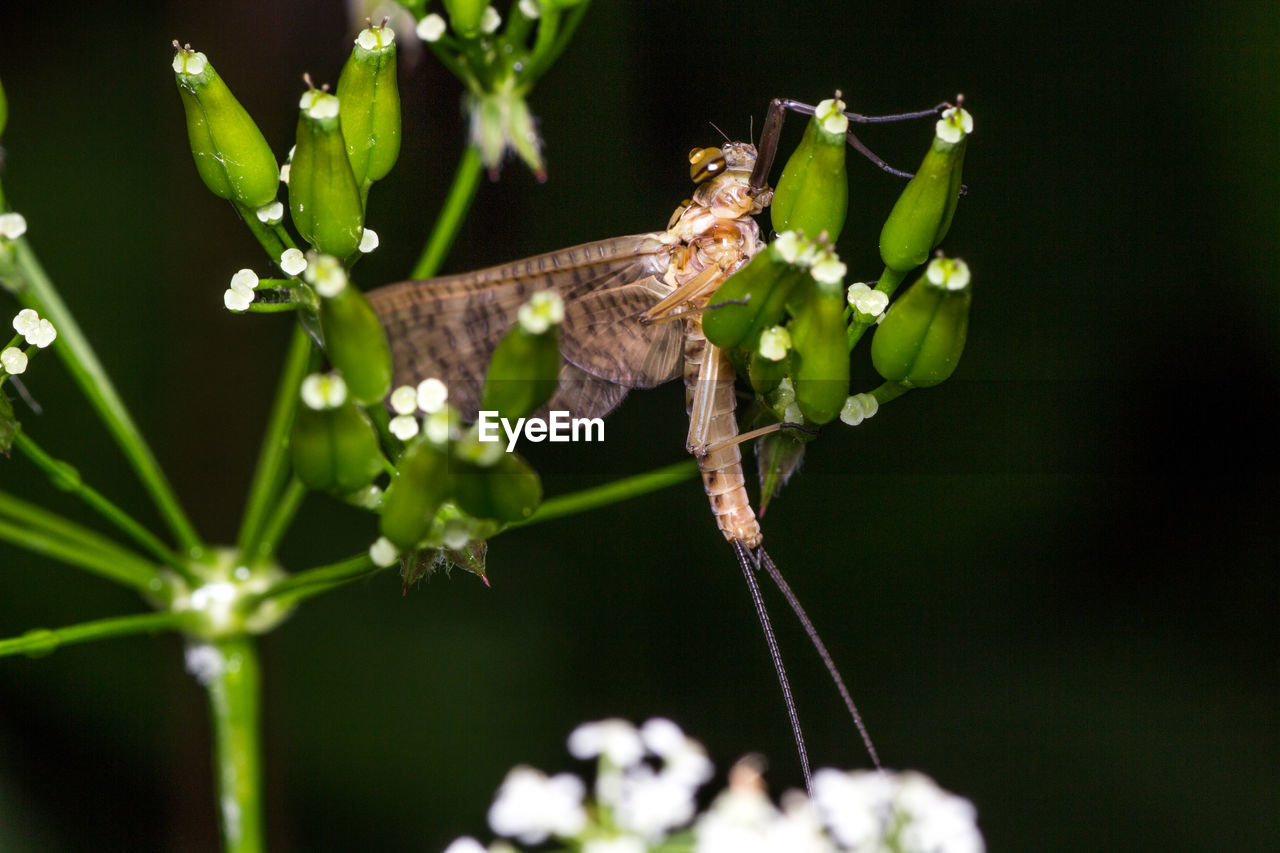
(632, 319)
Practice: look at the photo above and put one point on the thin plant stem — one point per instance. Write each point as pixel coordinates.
(466, 180)
(234, 689)
(887, 391)
(280, 516)
(612, 493)
(270, 470)
(41, 641)
(312, 582)
(128, 570)
(64, 476)
(81, 361)
(266, 234)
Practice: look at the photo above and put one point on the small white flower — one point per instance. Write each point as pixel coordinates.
(326, 274)
(245, 281)
(431, 27)
(368, 240)
(438, 426)
(14, 361)
(189, 62)
(322, 391)
(828, 269)
(292, 261)
(951, 273)
(543, 310)
(273, 212)
(432, 394)
(774, 343)
(236, 300)
(204, 661)
(830, 113)
(12, 225)
(466, 844)
(383, 553)
(404, 400)
(530, 807)
(376, 38)
(26, 322)
(860, 807)
(319, 104)
(43, 335)
(866, 301)
(651, 803)
(284, 172)
(788, 245)
(617, 741)
(403, 427)
(490, 20)
(954, 125)
(858, 408)
(530, 9)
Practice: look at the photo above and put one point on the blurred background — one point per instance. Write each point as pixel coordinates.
(1051, 582)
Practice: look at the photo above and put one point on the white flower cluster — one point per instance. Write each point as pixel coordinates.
(37, 332)
(239, 296)
(645, 800)
(869, 304)
(429, 397)
(543, 310)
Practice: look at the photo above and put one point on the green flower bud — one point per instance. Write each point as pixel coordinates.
(756, 294)
(501, 122)
(508, 491)
(821, 358)
(920, 340)
(813, 192)
(526, 364)
(324, 198)
(922, 214)
(466, 15)
(4, 109)
(778, 456)
(231, 155)
(354, 339)
(421, 483)
(334, 449)
(369, 105)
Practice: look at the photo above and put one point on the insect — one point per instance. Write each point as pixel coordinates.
(633, 319)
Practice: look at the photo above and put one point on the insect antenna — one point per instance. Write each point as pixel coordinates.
(750, 562)
(717, 129)
(785, 588)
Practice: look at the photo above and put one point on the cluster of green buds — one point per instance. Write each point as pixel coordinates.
(499, 61)
(790, 323)
(451, 488)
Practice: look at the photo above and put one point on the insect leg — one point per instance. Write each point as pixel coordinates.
(772, 130)
(666, 307)
(756, 433)
(702, 411)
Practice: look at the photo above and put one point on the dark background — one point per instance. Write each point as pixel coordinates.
(1051, 582)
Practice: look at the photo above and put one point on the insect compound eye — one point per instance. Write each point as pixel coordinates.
(705, 163)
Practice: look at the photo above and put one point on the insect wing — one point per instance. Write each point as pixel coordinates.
(448, 327)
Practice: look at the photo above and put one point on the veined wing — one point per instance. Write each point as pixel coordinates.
(448, 327)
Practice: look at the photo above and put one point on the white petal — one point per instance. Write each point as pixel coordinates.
(12, 225)
(26, 321)
(245, 280)
(368, 240)
(43, 335)
(403, 427)
(431, 27)
(236, 300)
(292, 261)
(271, 213)
(383, 553)
(404, 400)
(13, 360)
(432, 394)
(616, 740)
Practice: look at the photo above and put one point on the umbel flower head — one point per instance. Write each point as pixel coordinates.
(644, 798)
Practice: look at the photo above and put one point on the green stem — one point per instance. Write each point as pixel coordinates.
(312, 582)
(890, 391)
(41, 641)
(81, 361)
(544, 56)
(465, 182)
(123, 568)
(234, 702)
(64, 476)
(271, 467)
(281, 516)
(272, 307)
(611, 493)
